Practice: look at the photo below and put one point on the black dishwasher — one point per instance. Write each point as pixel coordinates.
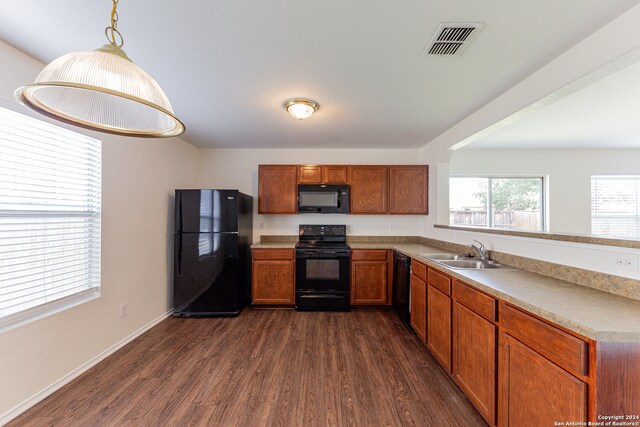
(401, 286)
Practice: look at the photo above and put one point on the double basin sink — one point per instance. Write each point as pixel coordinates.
(463, 262)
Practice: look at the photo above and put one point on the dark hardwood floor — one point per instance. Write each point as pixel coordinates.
(265, 368)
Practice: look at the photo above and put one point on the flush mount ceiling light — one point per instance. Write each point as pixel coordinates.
(102, 90)
(301, 108)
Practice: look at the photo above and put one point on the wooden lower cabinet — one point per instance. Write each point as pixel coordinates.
(439, 326)
(273, 277)
(418, 318)
(534, 391)
(517, 369)
(370, 284)
(474, 359)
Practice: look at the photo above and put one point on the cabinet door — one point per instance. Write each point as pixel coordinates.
(418, 290)
(334, 174)
(368, 189)
(277, 189)
(408, 189)
(533, 391)
(310, 174)
(439, 326)
(474, 359)
(273, 282)
(369, 282)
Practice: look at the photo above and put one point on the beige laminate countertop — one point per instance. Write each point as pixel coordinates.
(275, 245)
(590, 312)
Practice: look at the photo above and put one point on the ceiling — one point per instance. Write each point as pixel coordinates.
(228, 65)
(604, 114)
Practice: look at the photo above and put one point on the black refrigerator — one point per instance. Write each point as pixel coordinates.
(212, 252)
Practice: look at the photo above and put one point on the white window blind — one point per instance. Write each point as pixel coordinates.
(49, 213)
(615, 205)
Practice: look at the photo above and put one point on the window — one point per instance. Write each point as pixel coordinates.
(497, 202)
(615, 207)
(49, 218)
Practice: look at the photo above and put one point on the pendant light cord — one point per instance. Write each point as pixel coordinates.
(112, 31)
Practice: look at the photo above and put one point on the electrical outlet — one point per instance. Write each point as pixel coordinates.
(262, 226)
(392, 226)
(349, 227)
(123, 309)
(626, 262)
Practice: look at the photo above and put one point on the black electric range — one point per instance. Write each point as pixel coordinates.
(323, 268)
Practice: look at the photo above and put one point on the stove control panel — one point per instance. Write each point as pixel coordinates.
(319, 231)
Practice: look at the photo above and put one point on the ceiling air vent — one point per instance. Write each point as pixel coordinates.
(451, 38)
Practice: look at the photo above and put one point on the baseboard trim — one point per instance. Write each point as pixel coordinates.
(20, 408)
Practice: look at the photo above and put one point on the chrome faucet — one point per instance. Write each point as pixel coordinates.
(482, 250)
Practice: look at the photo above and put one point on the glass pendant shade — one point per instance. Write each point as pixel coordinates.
(102, 90)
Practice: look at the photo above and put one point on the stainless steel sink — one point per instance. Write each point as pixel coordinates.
(444, 257)
(472, 264)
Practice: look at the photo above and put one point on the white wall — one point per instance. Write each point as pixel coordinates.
(568, 172)
(584, 58)
(227, 168)
(138, 177)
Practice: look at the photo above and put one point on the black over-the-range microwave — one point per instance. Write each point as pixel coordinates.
(321, 198)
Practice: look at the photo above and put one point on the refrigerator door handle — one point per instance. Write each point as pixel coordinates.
(179, 213)
(180, 254)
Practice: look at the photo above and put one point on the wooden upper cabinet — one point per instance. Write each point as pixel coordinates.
(408, 189)
(310, 174)
(334, 174)
(368, 189)
(322, 174)
(374, 189)
(277, 189)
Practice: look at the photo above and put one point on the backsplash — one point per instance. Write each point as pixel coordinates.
(605, 282)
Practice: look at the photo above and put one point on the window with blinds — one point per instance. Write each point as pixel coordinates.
(615, 207)
(49, 215)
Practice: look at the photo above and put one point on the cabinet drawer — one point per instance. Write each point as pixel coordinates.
(369, 255)
(419, 270)
(481, 304)
(266, 254)
(567, 351)
(439, 281)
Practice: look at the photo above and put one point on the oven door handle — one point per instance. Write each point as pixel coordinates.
(307, 254)
(336, 254)
(323, 254)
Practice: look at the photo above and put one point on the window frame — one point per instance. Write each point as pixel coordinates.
(543, 199)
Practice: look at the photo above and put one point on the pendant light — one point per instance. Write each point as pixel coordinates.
(103, 90)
